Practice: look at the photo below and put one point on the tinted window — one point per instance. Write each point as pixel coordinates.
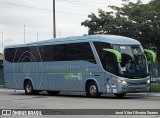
(9, 54)
(79, 51)
(99, 47)
(36, 53)
(62, 52)
(110, 63)
(52, 52)
(17, 54)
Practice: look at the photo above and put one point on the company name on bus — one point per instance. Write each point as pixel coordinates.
(59, 67)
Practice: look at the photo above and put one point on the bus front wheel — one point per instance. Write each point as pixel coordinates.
(92, 90)
(28, 87)
(119, 95)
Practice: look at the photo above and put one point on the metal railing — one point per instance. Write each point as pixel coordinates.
(154, 71)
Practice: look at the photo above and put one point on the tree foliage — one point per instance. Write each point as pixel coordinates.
(136, 20)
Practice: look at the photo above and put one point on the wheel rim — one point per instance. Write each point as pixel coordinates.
(28, 88)
(93, 89)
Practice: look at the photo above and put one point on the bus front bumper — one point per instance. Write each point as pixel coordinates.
(133, 88)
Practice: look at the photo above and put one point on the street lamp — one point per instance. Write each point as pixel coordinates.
(37, 36)
(54, 20)
(2, 41)
(24, 33)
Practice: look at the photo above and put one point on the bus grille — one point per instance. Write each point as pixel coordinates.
(136, 84)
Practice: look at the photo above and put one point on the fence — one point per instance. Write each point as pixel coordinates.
(154, 71)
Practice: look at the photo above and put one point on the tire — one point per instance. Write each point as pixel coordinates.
(53, 92)
(119, 95)
(92, 90)
(28, 87)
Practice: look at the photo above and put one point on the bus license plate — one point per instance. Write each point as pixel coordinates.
(138, 89)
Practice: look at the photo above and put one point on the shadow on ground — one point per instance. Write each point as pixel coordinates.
(82, 95)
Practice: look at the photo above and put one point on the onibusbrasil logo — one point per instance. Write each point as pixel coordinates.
(21, 112)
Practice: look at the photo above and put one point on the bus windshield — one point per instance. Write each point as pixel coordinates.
(134, 63)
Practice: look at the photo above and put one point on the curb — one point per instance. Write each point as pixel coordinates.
(154, 94)
(145, 94)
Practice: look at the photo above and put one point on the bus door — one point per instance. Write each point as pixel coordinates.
(111, 67)
(112, 62)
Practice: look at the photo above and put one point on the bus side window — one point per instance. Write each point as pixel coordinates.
(79, 51)
(99, 48)
(111, 63)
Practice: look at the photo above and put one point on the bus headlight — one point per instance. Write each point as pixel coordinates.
(148, 81)
(122, 81)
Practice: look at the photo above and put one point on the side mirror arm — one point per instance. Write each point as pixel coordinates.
(152, 54)
(116, 53)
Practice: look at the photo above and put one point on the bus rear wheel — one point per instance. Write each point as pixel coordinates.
(92, 90)
(28, 87)
(119, 95)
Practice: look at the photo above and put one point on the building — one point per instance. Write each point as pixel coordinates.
(1, 70)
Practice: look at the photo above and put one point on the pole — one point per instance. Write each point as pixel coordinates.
(24, 33)
(2, 42)
(59, 34)
(54, 20)
(37, 36)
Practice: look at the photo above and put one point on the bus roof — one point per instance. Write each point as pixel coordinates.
(113, 39)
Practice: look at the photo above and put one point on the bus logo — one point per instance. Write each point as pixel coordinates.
(6, 112)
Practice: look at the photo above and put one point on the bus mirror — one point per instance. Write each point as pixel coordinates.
(151, 56)
(115, 52)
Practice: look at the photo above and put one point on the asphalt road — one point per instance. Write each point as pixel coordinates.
(11, 99)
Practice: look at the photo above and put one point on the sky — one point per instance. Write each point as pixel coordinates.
(32, 20)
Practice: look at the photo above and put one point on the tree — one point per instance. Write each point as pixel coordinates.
(136, 20)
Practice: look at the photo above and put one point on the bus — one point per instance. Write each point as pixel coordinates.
(94, 64)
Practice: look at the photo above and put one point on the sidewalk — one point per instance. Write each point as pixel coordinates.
(157, 94)
(147, 94)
